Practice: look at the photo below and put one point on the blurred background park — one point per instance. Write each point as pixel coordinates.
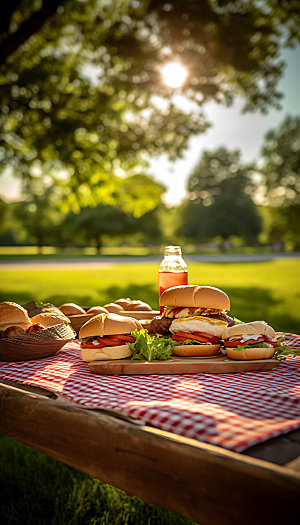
(127, 125)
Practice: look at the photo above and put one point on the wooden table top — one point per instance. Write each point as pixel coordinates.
(201, 482)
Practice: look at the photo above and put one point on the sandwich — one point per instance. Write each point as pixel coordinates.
(194, 316)
(106, 336)
(14, 320)
(255, 340)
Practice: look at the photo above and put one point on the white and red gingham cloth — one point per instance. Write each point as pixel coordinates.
(234, 411)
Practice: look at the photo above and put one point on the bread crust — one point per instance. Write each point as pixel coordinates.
(97, 310)
(104, 354)
(46, 319)
(194, 295)
(71, 309)
(13, 314)
(252, 328)
(196, 350)
(114, 308)
(125, 303)
(248, 354)
(108, 324)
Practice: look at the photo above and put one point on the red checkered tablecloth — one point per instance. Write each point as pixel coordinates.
(234, 411)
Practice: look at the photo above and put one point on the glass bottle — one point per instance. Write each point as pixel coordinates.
(173, 270)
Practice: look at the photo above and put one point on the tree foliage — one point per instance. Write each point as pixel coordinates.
(280, 167)
(82, 97)
(280, 179)
(220, 202)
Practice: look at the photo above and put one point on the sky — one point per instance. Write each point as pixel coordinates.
(233, 129)
(229, 127)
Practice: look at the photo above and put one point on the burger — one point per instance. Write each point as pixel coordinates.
(106, 336)
(194, 316)
(253, 340)
(14, 320)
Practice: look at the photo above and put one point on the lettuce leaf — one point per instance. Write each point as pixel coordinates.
(149, 348)
(256, 345)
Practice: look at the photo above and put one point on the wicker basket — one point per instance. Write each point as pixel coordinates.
(36, 345)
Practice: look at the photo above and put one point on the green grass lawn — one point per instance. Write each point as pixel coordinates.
(267, 291)
(36, 489)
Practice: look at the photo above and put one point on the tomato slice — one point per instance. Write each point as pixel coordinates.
(212, 338)
(239, 343)
(89, 344)
(124, 337)
(202, 337)
(106, 341)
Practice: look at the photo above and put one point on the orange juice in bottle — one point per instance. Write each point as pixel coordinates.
(172, 271)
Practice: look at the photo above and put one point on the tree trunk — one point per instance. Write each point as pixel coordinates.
(225, 244)
(98, 244)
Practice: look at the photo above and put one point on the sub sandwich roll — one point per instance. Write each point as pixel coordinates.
(106, 336)
(247, 341)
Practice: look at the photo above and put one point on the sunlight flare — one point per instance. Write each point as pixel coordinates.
(174, 74)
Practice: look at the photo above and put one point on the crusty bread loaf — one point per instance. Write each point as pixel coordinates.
(194, 295)
(12, 314)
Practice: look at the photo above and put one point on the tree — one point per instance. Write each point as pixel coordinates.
(280, 164)
(38, 217)
(83, 93)
(220, 203)
(91, 224)
(280, 181)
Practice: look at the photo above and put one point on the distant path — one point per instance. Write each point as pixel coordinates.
(109, 262)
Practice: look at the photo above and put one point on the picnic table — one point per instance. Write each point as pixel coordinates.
(214, 448)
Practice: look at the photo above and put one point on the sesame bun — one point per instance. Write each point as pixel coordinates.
(253, 328)
(193, 295)
(196, 350)
(114, 308)
(97, 310)
(108, 324)
(250, 353)
(71, 309)
(46, 319)
(12, 314)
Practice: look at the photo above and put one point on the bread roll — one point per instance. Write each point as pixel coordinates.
(194, 295)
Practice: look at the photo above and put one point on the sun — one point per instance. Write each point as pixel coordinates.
(174, 74)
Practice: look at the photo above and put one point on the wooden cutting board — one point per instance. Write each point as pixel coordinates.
(180, 365)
